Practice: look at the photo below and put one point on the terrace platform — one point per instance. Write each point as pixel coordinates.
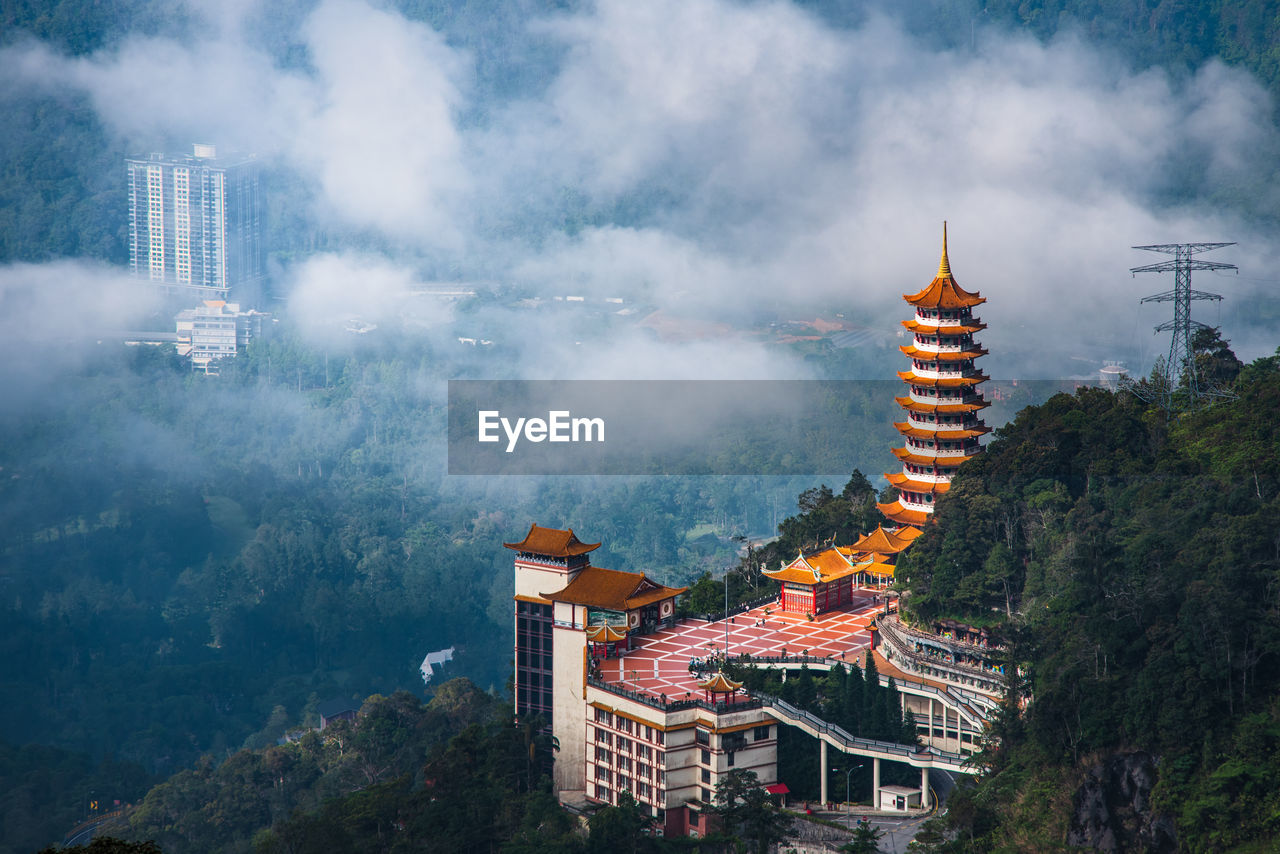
(659, 663)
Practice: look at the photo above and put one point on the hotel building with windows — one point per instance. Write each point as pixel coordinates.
(196, 223)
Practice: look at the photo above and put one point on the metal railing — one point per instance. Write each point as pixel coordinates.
(802, 718)
(892, 634)
(976, 649)
(740, 608)
(661, 702)
(707, 665)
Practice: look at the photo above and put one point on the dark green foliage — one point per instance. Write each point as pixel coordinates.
(824, 516)
(1177, 35)
(748, 813)
(625, 827)
(865, 840)
(453, 770)
(1133, 566)
(47, 791)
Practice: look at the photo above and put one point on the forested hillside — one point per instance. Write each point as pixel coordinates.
(190, 564)
(1133, 566)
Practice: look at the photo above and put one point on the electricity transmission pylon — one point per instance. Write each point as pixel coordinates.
(1180, 368)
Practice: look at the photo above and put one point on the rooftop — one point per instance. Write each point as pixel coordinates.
(613, 590)
(552, 542)
(659, 663)
(827, 565)
(943, 292)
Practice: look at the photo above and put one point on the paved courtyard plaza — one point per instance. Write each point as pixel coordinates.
(659, 663)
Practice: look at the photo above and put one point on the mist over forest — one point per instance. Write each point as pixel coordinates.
(191, 564)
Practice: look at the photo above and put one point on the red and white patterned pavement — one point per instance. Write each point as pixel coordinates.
(659, 663)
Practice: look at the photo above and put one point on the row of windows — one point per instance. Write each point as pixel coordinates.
(603, 793)
(526, 659)
(959, 314)
(945, 445)
(538, 701)
(957, 420)
(639, 788)
(943, 396)
(628, 726)
(534, 642)
(936, 365)
(533, 626)
(962, 340)
(915, 469)
(643, 756)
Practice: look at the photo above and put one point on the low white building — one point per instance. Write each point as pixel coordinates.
(216, 329)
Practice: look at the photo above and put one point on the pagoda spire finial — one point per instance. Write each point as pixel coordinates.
(944, 266)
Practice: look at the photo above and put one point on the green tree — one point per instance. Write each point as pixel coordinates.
(625, 827)
(866, 840)
(747, 811)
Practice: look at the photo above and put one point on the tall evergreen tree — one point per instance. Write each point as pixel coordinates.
(833, 693)
(806, 693)
(854, 698)
(893, 712)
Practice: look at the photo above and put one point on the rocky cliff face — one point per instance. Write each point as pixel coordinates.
(1112, 808)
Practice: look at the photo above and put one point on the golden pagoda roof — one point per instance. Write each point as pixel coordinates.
(613, 590)
(605, 634)
(901, 480)
(908, 429)
(921, 460)
(895, 511)
(911, 405)
(814, 568)
(875, 564)
(885, 542)
(884, 570)
(943, 382)
(926, 328)
(943, 292)
(942, 355)
(552, 542)
(719, 684)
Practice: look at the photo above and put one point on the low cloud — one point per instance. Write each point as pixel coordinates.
(59, 316)
(717, 160)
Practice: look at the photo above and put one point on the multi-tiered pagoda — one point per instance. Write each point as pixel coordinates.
(942, 429)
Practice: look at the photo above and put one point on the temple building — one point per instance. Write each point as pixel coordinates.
(942, 429)
(815, 583)
(644, 704)
(825, 579)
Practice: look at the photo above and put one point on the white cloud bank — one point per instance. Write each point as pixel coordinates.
(720, 156)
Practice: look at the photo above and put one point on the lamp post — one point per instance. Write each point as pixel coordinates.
(726, 617)
(852, 768)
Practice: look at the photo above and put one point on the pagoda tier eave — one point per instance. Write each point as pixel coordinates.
(914, 432)
(905, 483)
(940, 408)
(942, 355)
(941, 462)
(913, 378)
(897, 513)
(944, 293)
(938, 329)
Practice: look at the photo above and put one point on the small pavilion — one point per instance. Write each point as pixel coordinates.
(720, 688)
(606, 641)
